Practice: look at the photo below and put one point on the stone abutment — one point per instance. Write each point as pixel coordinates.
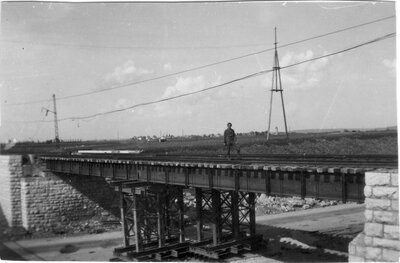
(380, 239)
(41, 201)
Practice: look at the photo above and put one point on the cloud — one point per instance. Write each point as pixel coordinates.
(122, 103)
(185, 85)
(336, 6)
(126, 73)
(303, 76)
(167, 67)
(186, 105)
(391, 65)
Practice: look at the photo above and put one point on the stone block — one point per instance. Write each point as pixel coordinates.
(360, 251)
(356, 259)
(373, 253)
(386, 217)
(368, 241)
(390, 255)
(395, 205)
(373, 229)
(373, 178)
(377, 204)
(394, 179)
(368, 191)
(385, 192)
(352, 249)
(386, 243)
(391, 232)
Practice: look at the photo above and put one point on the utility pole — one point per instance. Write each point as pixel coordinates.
(57, 139)
(276, 87)
(54, 111)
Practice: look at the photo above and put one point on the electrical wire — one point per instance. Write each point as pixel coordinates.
(199, 67)
(344, 50)
(225, 83)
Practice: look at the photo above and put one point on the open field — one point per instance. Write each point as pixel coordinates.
(290, 240)
(360, 142)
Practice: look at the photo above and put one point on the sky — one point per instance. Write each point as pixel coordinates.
(105, 57)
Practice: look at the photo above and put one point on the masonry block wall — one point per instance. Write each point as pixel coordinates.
(57, 200)
(41, 201)
(10, 190)
(380, 239)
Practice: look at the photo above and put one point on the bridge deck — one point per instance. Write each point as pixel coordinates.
(312, 180)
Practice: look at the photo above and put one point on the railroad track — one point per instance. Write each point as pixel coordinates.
(355, 161)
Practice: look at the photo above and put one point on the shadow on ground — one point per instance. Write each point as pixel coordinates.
(290, 245)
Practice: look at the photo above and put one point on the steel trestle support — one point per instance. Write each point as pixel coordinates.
(231, 217)
(152, 220)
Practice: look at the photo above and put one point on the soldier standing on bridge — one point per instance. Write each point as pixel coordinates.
(230, 140)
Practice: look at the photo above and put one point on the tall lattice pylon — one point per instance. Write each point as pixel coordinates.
(276, 87)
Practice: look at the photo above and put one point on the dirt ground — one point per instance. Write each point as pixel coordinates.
(321, 234)
(318, 235)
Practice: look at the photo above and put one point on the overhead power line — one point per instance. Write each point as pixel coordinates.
(343, 50)
(222, 84)
(200, 67)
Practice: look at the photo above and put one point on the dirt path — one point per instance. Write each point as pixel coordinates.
(320, 234)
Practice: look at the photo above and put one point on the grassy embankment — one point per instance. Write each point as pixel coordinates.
(368, 142)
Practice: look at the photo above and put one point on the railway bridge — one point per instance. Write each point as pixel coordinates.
(152, 201)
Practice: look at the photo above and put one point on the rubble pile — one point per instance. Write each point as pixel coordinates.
(189, 199)
(275, 204)
(103, 222)
(97, 224)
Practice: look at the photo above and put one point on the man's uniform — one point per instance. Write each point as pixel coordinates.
(229, 139)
